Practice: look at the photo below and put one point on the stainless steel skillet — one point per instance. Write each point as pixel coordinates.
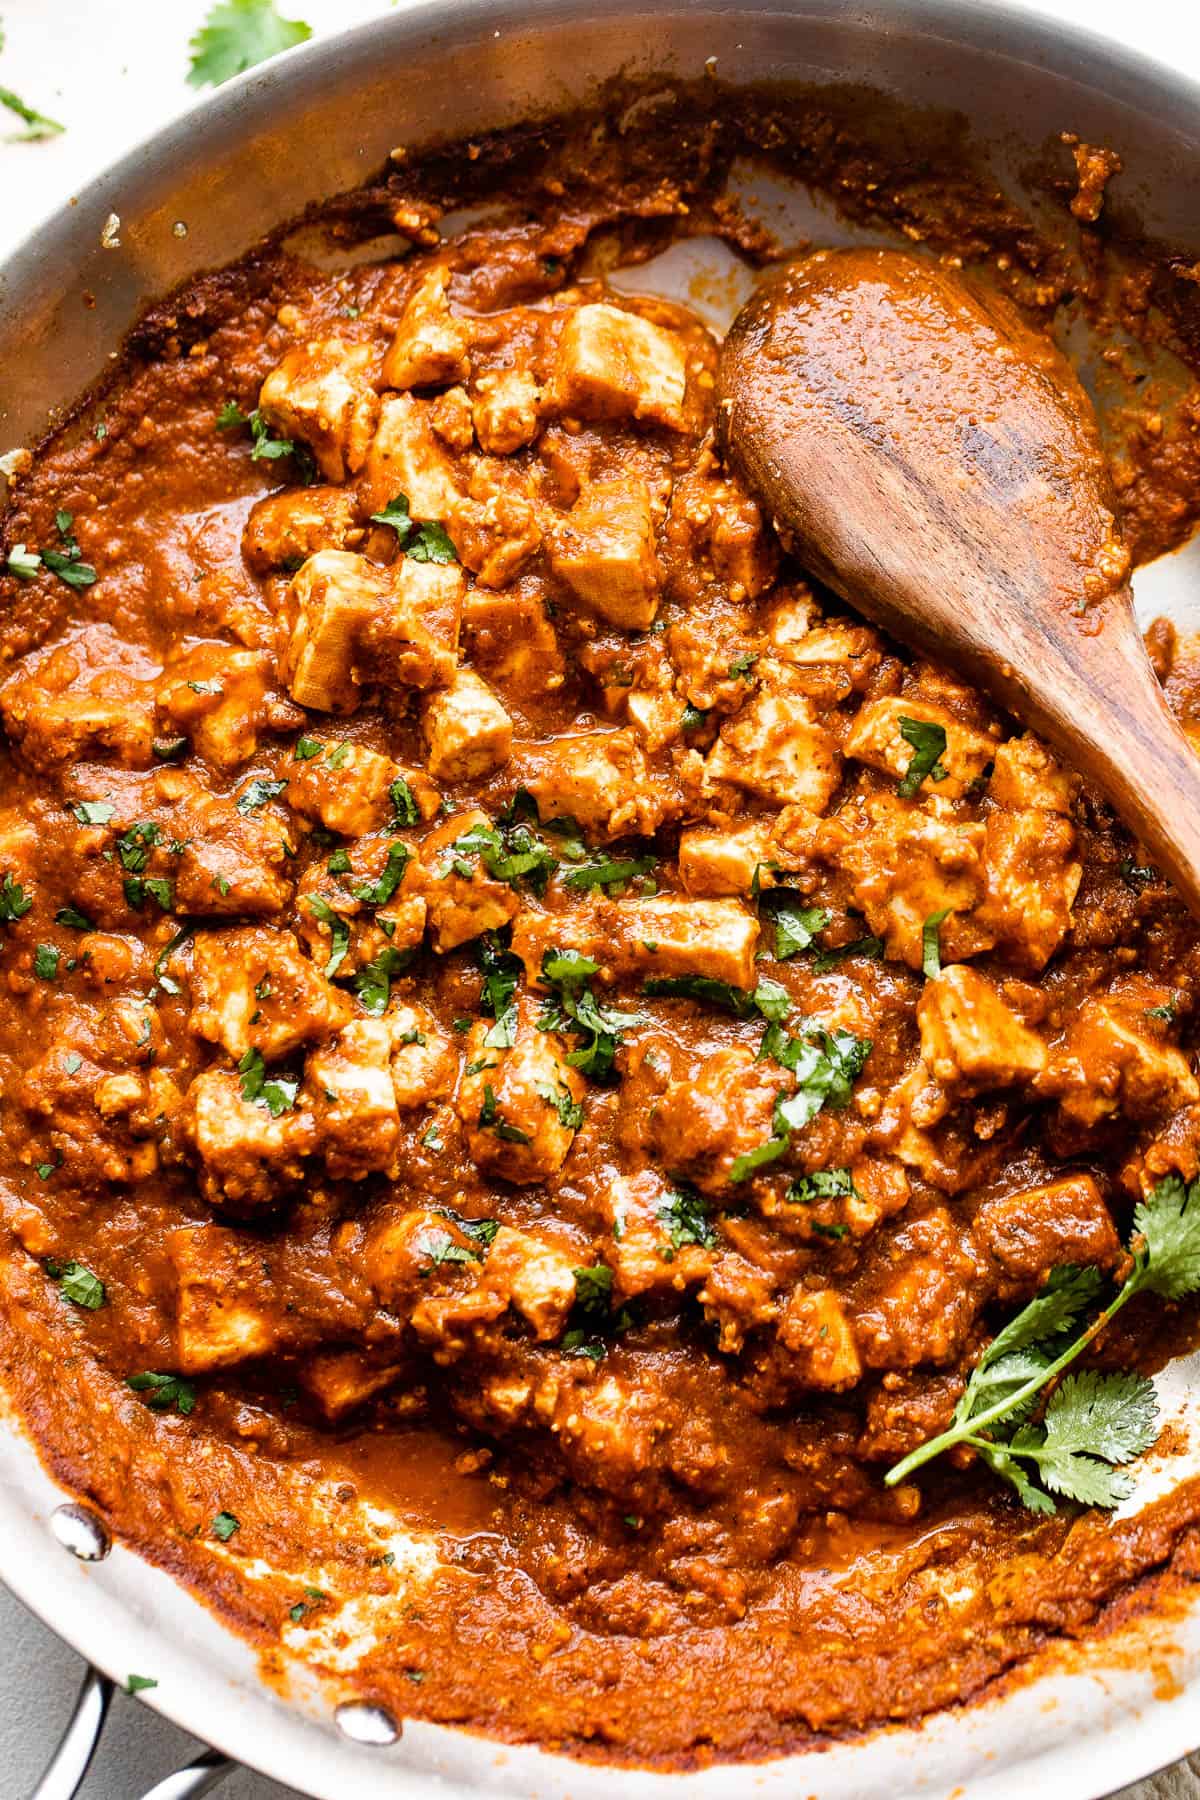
(296, 131)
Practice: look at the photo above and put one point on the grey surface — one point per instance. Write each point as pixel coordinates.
(39, 1678)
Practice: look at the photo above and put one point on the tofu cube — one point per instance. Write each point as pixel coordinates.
(461, 898)
(970, 1038)
(519, 1107)
(254, 989)
(666, 936)
(223, 1310)
(430, 346)
(342, 1380)
(353, 1102)
(1114, 1062)
(322, 394)
(876, 738)
(221, 699)
(406, 458)
(467, 730)
(349, 794)
(286, 527)
(716, 860)
(505, 411)
(776, 748)
(350, 624)
(538, 1278)
(614, 364)
(1031, 1232)
(604, 552)
(599, 778)
(819, 1340)
(513, 640)
(247, 1157)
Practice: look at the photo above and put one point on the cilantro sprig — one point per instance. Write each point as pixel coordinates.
(236, 35)
(424, 540)
(928, 742)
(1093, 1422)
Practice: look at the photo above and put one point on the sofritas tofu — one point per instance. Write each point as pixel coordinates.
(322, 393)
(285, 528)
(776, 747)
(346, 788)
(906, 866)
(642, 1213)
(461, 898)
(1115, 1059)
(513, 641)
(225, 1312)
(224, 701)
(406, 458)
(248, 1158)
(505, 410)
(602, 780)
(726, 859)
(1031, 867)
(970, 1038)
(520, 1107)
(342, 1380)
(876, 737)
(604, 551)
(721, 1108)
(431, 343)
(467, 731)
(253, 989)
(817, 1339)
(660, 936)
(91, 695)
(230, 864)
(614, 364)
(349, 624)
(1029, 1233)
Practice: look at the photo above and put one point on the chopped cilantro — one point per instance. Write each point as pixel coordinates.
(22, 562)
(569, 1110)
(45, 962)
(138, 1684)
(405, 810)
(796, 925)
(257, 794)
(162, 1392)
(339, 932)
(685, 1215)
(490, 1120)
(224, 1526)
(14, 901)
(93, 812)
(822, 1184)
(277, 1093)
(78, 1284)
(863, 946)
(928, 742)
(37, 124)
(931, 943)
(693, 718)
(425, 542)
(373, 983)
(742, 667)
(609, 872)
(306, 748)
(70, 916)
(379, 892)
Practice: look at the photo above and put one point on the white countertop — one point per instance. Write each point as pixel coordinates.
(111, 71)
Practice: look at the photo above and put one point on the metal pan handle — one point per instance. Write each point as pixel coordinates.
(69, 1764)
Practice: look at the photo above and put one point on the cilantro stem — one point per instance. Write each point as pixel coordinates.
(968, 1430)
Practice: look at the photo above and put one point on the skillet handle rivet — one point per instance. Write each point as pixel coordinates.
(79, 1530)
(364, 1723)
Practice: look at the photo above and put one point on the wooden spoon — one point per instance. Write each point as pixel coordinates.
(935, 460)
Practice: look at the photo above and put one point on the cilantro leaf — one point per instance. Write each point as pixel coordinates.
(405, 810)
(928, 741)
(236, 35)
(608, 872)
(931, 943)
(14, 901)
(79, 1285)
(380, 891)
(339, 932)
(425, 541)
(38, 125)
(20, 561)
(795, 925)
(224, 1526)
(1169, 1223)
(685, 1216)
(162, 1392)
(373, 983)
(45, 962)
(491, 1120)
(863, 946)
(276, 1093)
(257, 794)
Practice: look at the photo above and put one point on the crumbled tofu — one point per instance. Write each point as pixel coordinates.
(253, 989)
(406, 458)
(601, 779)
(284, 528)
(322, 394)
(247, 1158)
(520, 1106)
(431, 343)
(350, 623)
(505, 411)
(467, 731)
(970, 1038)
(614, 364)
(876, 738)
(775, 747)
(831, 659)
(223, 1306)
(819, 1339)
(462, 899)
(604, 552)
(348, 794)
